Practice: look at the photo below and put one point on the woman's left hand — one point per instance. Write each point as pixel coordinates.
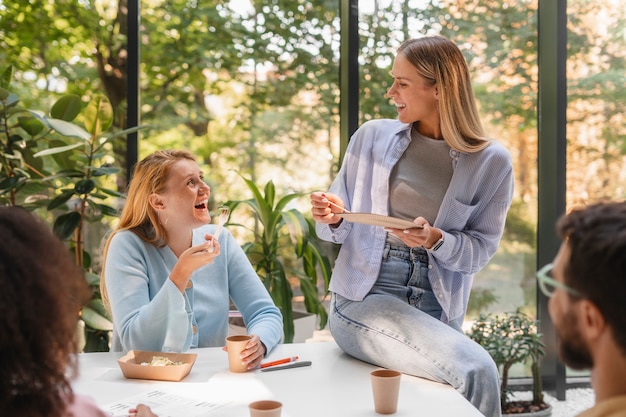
(425, 236)
(253, 354)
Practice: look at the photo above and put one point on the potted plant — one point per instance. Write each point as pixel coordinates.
(277, 233)
(512, 339)
(54, 166)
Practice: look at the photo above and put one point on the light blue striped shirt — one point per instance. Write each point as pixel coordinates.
(471, 216)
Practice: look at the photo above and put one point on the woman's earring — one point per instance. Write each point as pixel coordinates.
(163, 223)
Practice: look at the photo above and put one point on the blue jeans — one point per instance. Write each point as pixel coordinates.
(397, 326)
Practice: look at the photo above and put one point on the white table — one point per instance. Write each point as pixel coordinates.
(334, 385)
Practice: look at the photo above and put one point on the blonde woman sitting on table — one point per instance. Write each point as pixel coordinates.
(168, 281)
(399, 297)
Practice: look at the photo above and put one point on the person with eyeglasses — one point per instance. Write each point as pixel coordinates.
(586, 285)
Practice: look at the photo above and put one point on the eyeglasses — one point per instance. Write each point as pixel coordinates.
(548, 285)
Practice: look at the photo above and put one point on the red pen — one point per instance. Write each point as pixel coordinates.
(279, 362)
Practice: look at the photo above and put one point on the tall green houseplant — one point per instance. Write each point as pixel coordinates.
(53, 165)
(277, 233)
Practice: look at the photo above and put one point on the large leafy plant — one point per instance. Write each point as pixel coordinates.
(512, 339)
(57, 167)
(278, 233)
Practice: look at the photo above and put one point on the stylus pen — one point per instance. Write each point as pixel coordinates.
(335, 205)
(291, 365)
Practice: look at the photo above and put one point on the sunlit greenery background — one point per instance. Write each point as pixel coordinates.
(252, 86)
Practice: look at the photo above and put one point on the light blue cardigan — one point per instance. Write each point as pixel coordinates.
(150, 313)
(471, 216)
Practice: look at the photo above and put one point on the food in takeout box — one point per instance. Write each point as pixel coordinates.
(163, 366)
(161, 361)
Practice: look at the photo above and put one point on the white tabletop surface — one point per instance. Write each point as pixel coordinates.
(334, 385)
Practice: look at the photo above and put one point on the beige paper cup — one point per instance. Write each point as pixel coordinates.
(385, 388)
(235, 345)
(265, 408)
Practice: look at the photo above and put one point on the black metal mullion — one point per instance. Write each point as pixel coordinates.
(552, 105)
(132, 85)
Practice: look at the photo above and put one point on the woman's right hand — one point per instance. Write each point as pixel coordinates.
(325, 206)
(192, 259)
(141, 411)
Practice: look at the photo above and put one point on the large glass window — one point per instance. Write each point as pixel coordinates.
(252, 87)
(596, 104)
(596, 121)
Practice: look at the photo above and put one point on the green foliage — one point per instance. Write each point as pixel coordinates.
(511, 339)
(518, 227)
(480, 299)
(191, 51)
(54, 166)
(278, 230)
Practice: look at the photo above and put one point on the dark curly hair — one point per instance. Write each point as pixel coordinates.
(596, 236)
(41, 292)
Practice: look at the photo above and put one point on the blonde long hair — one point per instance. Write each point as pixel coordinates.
(149, 177)
(440, 61)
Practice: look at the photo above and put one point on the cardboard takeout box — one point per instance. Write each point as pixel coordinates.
(132, 368)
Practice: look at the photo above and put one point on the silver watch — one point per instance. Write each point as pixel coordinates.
(437, 245)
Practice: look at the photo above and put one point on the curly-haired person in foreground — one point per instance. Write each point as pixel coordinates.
(41, 292)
